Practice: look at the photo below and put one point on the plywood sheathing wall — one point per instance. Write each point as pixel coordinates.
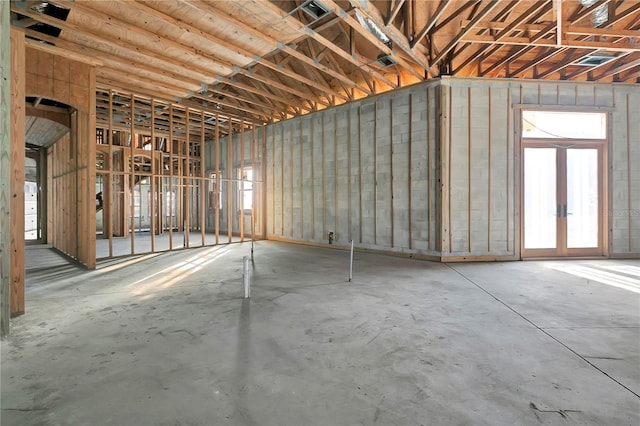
(71, 159)
(344, 170)
(17, 172)
(365, 171)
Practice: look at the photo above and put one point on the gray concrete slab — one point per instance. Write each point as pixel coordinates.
(165, 339)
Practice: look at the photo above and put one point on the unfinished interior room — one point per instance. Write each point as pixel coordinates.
(320, 212)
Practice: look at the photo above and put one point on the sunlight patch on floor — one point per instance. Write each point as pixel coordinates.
(615, 276)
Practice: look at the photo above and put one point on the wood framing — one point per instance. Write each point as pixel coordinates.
(218, 55)
(17, 131)
(5, 173)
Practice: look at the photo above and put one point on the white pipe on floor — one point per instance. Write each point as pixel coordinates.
(351, 263)
(246, 283)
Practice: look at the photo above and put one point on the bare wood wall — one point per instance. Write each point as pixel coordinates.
(72, 159)
(365, 171)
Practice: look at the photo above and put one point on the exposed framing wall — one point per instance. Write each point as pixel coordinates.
(226, 157)
(182, 148)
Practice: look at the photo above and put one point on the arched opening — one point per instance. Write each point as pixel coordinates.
(47, 121)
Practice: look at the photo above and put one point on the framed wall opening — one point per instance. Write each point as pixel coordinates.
(563, 198)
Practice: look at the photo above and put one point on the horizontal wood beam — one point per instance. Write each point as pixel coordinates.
(111, 43)
(216, 64)
(575, 44)
(34, 44)
(114, 60)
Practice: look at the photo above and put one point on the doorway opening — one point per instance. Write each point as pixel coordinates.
(563, 170)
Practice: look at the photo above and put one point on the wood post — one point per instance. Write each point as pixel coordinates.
(5, 163)
(17, 133)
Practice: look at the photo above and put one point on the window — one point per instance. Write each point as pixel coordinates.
(564, 125)
(246, 188)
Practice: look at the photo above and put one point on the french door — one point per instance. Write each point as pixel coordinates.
(562, 198)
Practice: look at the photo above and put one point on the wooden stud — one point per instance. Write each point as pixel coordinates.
(350, 223)
(152, 179)
(203, 182)
(263, 187)
(241, 183)
(273, 181)
(375, 173)
(489, 137)
(507, 180)
(409, 168)
(391, 203)
(629, 203)
(108, 197)
(291, 190)
(301, 186)
(253, 181)
(313, 177)
(448, 123)
(469, 170)
(360, 170)
(230, 183)
(16, 252)
(324, 195)
(131, 198)
(218, 182)
(171, 207)
(335, 176)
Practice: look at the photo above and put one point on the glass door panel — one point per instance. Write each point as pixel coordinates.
(582, 198)
(540, 206)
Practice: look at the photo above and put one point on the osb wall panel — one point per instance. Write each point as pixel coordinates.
(72, 159)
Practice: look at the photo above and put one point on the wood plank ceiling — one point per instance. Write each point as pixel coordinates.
(262, 61)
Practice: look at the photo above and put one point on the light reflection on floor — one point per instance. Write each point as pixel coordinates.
(626, 277)
(173, 274)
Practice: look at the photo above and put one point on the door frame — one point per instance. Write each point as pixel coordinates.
(604, 201)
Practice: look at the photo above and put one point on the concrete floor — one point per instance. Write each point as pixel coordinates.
(166, 340)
